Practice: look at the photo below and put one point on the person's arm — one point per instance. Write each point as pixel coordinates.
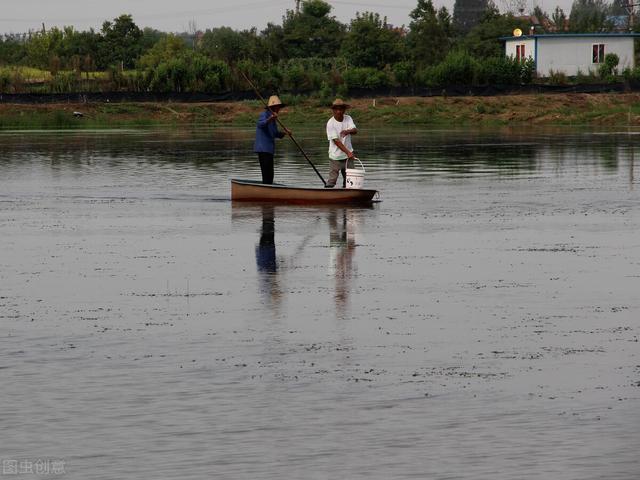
(281, 134)
(341, 146)
(266, 118)
(350, 130)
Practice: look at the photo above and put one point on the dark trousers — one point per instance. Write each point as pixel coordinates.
(335, 168)
(266, 166)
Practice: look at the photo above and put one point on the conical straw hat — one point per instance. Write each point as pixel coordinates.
(338, 102)
(274, 101)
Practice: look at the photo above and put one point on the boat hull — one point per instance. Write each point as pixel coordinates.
(255, 191)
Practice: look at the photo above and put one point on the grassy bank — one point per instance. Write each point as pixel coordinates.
(556, 109)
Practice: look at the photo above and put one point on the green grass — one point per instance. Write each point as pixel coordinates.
(427, 112)
(62, 120)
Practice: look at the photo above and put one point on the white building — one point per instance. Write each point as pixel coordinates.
(572, 52)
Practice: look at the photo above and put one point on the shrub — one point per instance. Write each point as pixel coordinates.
(527, 71)
(324, 94)
(171, 76)
(631, 75)
(610, 66)
(365, 77)
(456, 69)
(208, 75)
(64, 82)
(498, 70)
(5, 80)
(295, 78)
(187, 73)
(427, 77)
(404, 73)
(13, 81)
(585, 78)
(303, 74)
(557, 78)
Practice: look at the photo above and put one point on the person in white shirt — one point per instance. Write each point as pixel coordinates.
(340, 127)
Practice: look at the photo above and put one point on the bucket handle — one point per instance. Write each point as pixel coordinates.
(361, 164)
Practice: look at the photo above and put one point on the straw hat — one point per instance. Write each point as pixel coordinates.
(274, 101)
(338, 102)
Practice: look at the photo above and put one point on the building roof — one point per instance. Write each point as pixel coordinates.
(571, 35)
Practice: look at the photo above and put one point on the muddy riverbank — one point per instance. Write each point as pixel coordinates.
(621, 109)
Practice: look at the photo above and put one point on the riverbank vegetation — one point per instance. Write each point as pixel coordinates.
(310, 52)
(621, 109)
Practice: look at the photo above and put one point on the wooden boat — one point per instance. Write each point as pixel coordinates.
(256, 191)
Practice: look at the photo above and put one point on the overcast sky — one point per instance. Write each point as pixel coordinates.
(171, 15)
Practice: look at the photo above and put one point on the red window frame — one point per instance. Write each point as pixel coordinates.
(597, 51)
(520, 52)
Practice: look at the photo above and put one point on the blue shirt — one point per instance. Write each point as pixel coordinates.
(266, 134)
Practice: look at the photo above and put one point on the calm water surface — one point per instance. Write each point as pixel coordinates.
(482, 321)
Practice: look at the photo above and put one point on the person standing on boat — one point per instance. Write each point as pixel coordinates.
(266, 134)
(340, 127)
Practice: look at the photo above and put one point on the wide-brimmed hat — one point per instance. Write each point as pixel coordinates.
(338, 102)
(274, 101)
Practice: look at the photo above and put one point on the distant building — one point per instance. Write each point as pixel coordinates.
(619, 23)
(572, 52)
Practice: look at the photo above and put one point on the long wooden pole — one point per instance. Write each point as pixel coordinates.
(282, 125)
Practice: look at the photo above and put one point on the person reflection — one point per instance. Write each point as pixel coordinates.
(342, 247)
(266, 260)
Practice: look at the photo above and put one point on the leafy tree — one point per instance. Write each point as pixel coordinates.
(165, 49)
(483, 41)
(428, 40)
(618, 7)
(230, 45)
(539, 13)
(589, 16)
(12, 49)
(312, 32)
(42, 46)
(468, 13)
(273, 42)
(223, 43)
(371, 43)
(150, 36)
(120, 43)
(559, 19)
(76, 46)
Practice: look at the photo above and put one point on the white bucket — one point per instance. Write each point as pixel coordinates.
(355, 177)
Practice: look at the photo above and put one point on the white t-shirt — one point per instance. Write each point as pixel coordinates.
(334, 128)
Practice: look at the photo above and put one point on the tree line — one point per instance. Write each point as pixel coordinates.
(309, 51)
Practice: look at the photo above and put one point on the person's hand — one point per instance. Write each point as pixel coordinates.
(351, 156)
(274, 117)
(344, 133)
(287, 131)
